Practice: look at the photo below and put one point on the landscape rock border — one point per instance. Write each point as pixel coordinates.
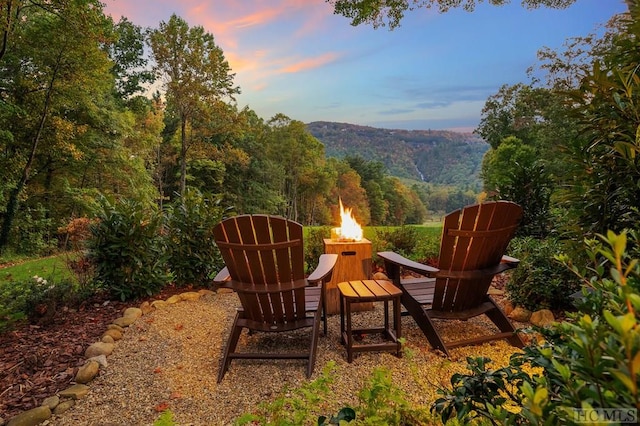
(96, 356)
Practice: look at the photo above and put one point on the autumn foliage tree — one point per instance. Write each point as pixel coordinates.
(196, 75)
(50, 94)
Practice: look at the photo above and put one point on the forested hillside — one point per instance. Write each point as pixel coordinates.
(434, 156)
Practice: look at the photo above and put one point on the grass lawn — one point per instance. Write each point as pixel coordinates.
(51, 268)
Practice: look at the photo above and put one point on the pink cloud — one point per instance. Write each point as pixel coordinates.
(311, 63)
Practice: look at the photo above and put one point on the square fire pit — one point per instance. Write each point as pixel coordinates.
(354, 263)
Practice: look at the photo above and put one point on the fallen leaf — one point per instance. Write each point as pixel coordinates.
(163, 406)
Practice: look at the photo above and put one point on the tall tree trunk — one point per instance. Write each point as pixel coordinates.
(7, 27)
(183, 154)
(159, 176)
(14, 196)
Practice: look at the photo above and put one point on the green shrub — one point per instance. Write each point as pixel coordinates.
(192, 254)
(127, 250)
(314, 245)
(33, 233)
(383, 403)
(402, 240)
(588, 362)
(12, 304)
(35, 299)
(540, 281)
(428, 247)
(481, 394)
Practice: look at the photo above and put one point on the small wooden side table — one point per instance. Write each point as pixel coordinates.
(370, 291)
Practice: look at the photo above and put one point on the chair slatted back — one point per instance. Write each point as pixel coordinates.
(262, 253)
(473, 238)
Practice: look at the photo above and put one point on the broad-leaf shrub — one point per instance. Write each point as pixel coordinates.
(314, 246)
(192, 254)
(127, 249)
(591, 361)
(540, 280)
(482, 393)
(36, 299)
(402, 240)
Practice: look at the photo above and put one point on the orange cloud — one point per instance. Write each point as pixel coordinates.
(311, 63)
(245, 61)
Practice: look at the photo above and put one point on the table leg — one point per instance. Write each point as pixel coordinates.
(397, 323)
(349, 332)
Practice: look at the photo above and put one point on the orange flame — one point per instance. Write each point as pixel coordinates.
(349, 229)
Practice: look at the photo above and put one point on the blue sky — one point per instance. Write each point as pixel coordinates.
(434, 72)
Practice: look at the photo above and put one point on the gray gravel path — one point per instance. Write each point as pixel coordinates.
(170, 358)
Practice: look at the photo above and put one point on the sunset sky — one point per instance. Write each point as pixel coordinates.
(434, 72)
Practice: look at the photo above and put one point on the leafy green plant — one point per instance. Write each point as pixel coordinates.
(346, 414)
(12, 304)
(383, 403)
(44, 297)
(192, 254)
(127, 249)
(588, 362)
(35, 299)
(403, 240)
(525, 182)
(314, 245)
(294, 406)
(481, 394)
(165, 419)
(540, 281)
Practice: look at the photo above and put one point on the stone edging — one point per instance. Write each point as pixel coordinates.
(95, 360)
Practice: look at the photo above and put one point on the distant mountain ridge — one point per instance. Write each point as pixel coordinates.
(435, 156)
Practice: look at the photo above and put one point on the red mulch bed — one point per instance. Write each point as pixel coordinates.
(39, 360)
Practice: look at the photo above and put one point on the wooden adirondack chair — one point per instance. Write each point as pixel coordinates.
(264, 265)
(472, 248)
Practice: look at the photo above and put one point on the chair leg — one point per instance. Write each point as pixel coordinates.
(425, 323)
(230, 348)
(314, 342)
(499, 318)
(323, 296)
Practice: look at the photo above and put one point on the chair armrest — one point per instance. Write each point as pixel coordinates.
(323, 271)
(403, 262)
(476, 273)
(222, 278)
(510, 260)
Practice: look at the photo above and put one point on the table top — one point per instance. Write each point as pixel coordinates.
(369, 290)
